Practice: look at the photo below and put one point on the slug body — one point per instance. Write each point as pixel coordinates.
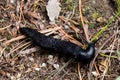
(65, 48)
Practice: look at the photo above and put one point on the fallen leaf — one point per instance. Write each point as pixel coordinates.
(53, 10)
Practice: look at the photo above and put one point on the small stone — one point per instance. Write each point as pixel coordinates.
(18, 76)
(12, 1)
(66, 26)
(50, 62)
(31, 59)
(13, 78)
(95, 73)
(37, 69)
(28, 70)
(118, 40)
(50, 56)
(43, 65)
(100, 19)
(56, 66)
(13, 62)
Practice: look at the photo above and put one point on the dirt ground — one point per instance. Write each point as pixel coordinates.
(20, 59)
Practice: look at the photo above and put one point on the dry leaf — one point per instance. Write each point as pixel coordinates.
(53, 9)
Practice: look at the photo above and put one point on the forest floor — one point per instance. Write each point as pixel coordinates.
(20, 59)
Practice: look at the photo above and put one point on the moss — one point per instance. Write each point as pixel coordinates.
(95, 15)
(8, 36)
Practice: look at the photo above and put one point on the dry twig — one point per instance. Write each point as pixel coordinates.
(81, 18)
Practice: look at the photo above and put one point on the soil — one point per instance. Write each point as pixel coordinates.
(20, 59)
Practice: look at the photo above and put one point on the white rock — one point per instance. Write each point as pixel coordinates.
(43, 65)
(95, 73)
(37, 69)
(31, 59)
(56, 66)
(50, 56)
(12, 1)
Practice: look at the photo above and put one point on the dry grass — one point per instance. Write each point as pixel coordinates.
(20, 59)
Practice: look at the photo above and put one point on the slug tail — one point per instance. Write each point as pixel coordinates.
(27, 32)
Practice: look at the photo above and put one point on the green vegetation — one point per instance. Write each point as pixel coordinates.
(106, 26)
(118, 5)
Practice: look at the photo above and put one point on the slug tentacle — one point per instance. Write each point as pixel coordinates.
(65, 48)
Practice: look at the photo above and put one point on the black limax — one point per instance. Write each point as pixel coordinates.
(65, 48)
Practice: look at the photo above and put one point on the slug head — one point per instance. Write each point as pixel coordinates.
(86, 55)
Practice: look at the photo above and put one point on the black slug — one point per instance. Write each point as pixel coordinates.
(65, 48)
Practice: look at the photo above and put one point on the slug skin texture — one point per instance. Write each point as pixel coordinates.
(64, 48)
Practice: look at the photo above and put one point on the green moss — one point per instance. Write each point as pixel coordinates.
(8, 48)
(106, 26)
(68, 4)
(95, 15)
(8, 36)
(91, 25)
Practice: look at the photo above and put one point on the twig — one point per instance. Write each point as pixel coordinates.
(74, 41)
(18, 48)
(79, 71)
(84, 28)
(107, 51)
(81, 18)
(103, 55)
(106, 26)
(99, 50)
(13, 39)
(2, 39)
(72, 21)
(50, 30)
(28, 51)
(17, 45)
(66, 64)
(96, 69)
(1, 52)
(105, 71)
(21, 12)
(5, 27)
